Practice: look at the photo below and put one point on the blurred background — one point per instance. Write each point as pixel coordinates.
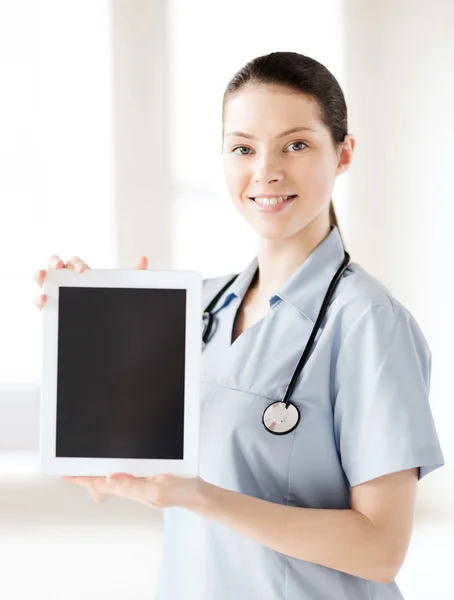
(110, 147)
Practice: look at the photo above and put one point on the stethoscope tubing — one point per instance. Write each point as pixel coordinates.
(288, 411)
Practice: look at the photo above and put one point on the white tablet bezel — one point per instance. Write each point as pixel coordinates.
(191, 281)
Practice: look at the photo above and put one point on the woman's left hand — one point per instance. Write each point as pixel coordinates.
(160, 491)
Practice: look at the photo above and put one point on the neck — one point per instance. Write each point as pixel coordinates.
(279, 259)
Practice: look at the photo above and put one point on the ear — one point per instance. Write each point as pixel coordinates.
(345, 155)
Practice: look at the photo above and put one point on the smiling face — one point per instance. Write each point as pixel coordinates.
(280, 163)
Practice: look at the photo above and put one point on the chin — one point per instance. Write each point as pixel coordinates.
(273, 232)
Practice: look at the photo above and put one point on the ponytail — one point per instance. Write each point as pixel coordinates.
(333, 220)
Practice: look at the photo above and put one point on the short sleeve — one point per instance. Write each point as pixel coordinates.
(382, 418)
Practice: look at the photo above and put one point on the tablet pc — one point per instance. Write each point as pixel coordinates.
(121, 372)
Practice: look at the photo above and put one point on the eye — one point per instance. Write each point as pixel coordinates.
(241, 148)
(298, 146)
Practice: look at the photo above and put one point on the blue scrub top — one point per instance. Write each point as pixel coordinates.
(363, 398)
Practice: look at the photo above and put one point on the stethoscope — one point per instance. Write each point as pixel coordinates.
(283, 416)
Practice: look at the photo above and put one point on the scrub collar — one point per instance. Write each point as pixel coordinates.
(307, 287)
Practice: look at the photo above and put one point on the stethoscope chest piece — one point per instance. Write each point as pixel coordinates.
(279, 419)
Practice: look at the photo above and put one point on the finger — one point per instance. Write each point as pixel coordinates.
(98, 497)
(140, 489)
(55, 262)
(77, 264)
(82, 479)
(95, 486)
(128, 486)
(141, 263)
(119, 479)
(40, 301)
(39, 276)
(122, 484)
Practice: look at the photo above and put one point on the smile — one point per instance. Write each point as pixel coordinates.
(272, 201)
(272, 205)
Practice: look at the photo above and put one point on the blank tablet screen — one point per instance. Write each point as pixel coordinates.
(121, 372)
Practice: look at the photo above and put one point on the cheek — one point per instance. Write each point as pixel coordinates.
(235, 178)
(323, 178)
(316, 176)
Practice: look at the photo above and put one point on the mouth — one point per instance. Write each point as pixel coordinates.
(270, 205)
(272, 201)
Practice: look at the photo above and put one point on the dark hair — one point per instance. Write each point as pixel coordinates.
(301, 74)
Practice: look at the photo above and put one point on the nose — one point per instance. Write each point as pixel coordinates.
(267, 171)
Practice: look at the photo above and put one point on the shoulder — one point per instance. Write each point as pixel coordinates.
(364, 303)
(360, 288)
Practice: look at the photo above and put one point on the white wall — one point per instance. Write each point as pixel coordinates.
(142, 191)
(56, 141)
(400, 90)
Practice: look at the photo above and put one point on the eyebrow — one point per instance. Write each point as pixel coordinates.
(283, 134)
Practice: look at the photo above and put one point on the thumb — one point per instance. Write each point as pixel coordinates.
(126, 485)
(141, 263)
(113, 477)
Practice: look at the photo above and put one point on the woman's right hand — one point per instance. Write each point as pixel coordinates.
(76, 263)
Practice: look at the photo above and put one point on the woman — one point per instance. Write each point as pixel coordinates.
(323, 510)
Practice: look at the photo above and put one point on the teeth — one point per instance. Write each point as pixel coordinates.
(271, 201)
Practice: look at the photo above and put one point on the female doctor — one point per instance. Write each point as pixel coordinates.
(308, 477)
